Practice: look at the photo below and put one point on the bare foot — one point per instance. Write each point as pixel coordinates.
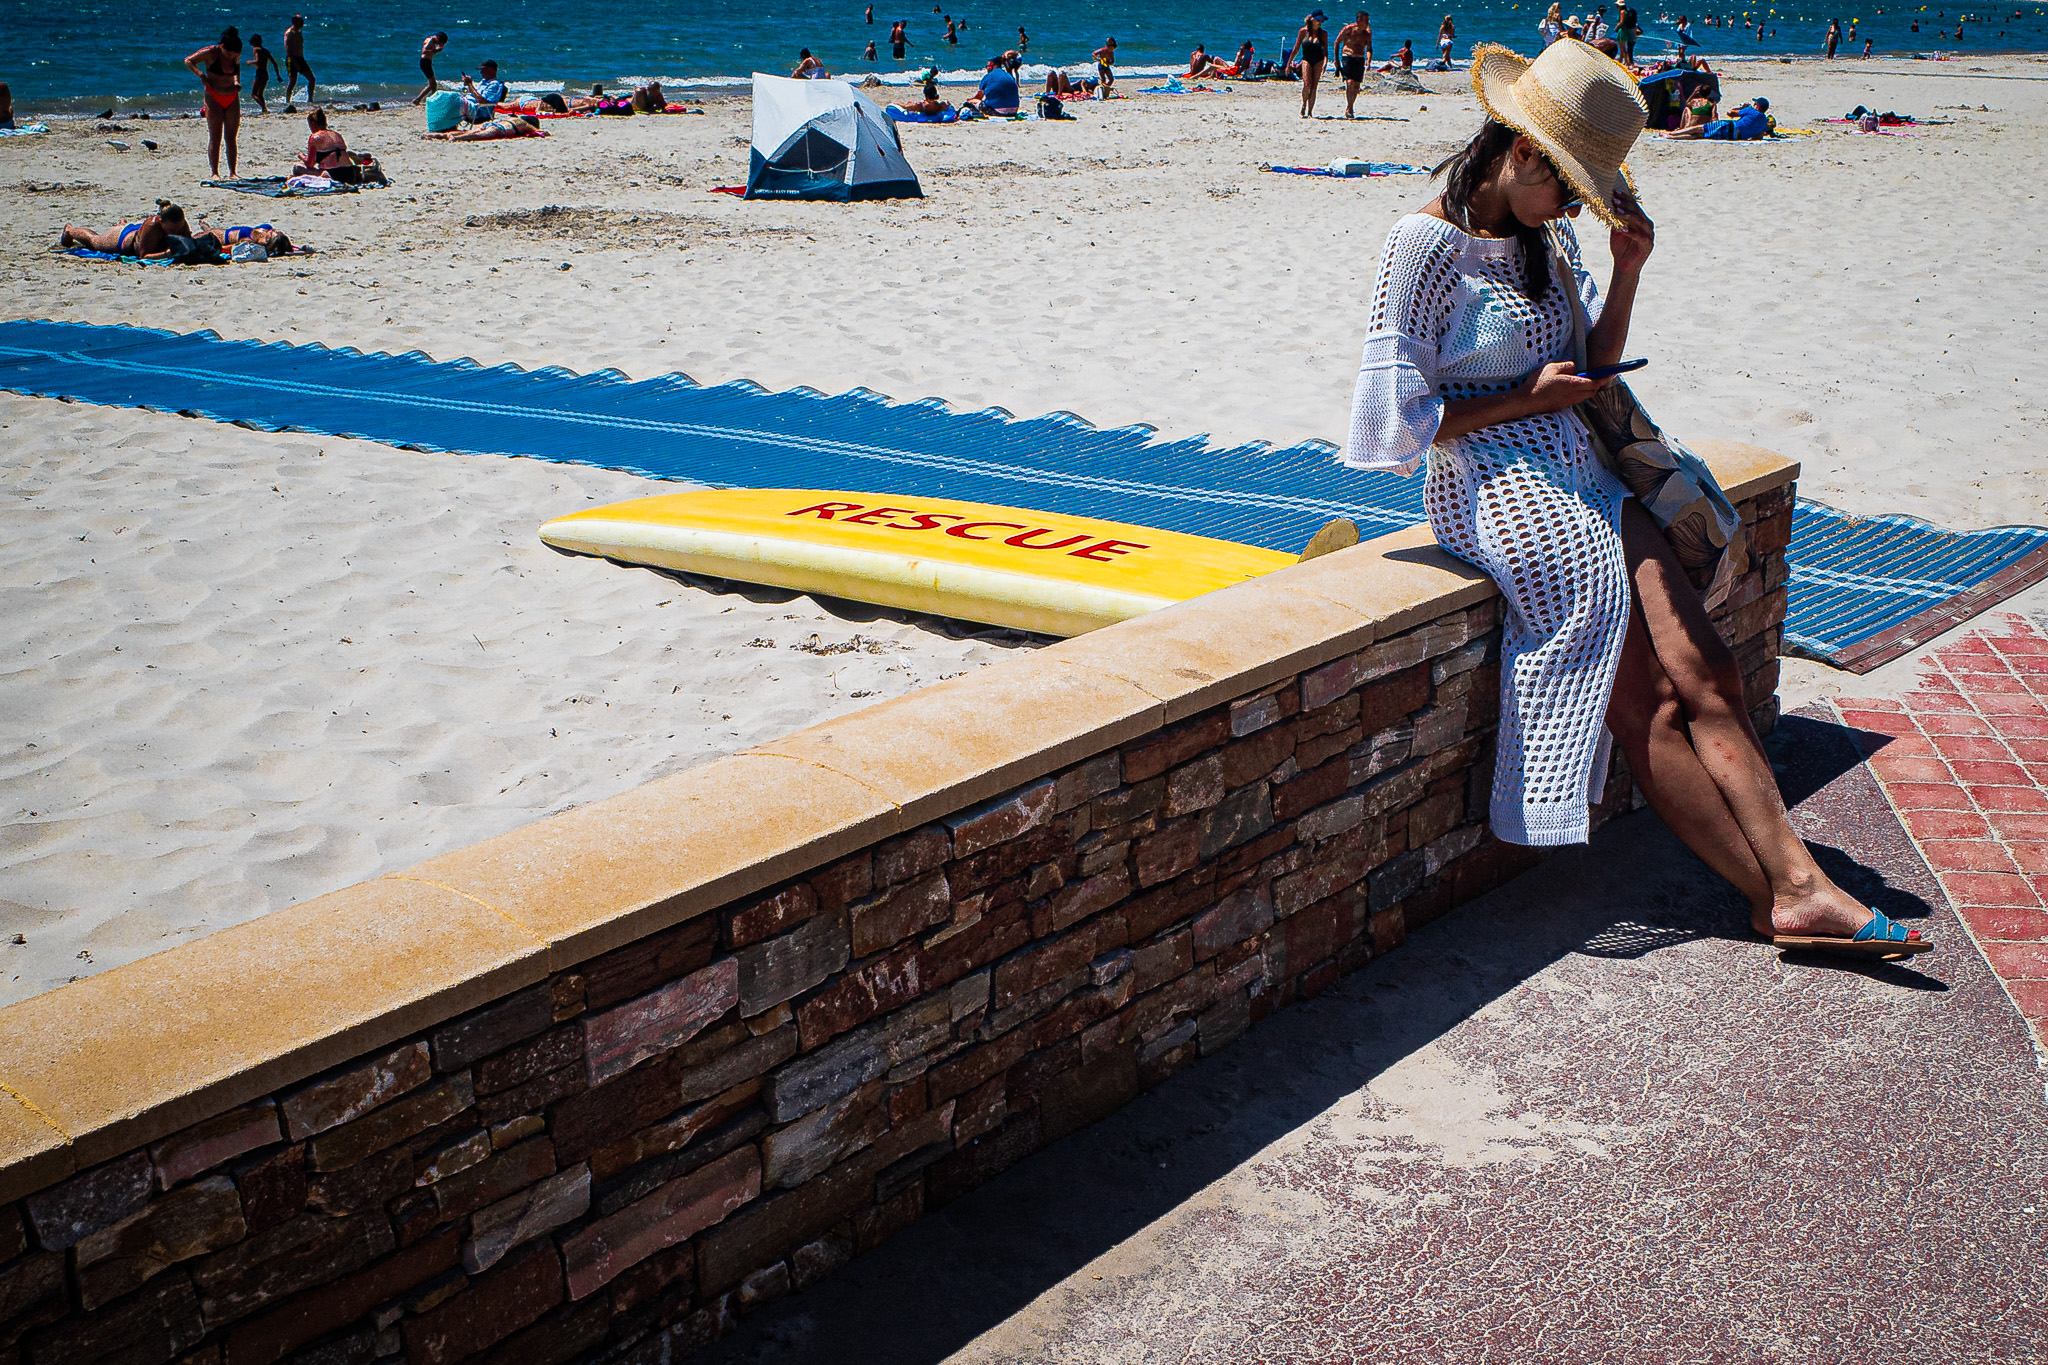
(1820, 908)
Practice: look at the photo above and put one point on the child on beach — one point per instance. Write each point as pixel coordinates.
(430, 49)
(1105, 68)
(266, 62)
(219, 69)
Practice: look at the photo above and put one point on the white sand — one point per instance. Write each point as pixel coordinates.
(1871, 305)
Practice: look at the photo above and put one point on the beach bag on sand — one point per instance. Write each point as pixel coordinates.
(1674, 485)
(444, 111)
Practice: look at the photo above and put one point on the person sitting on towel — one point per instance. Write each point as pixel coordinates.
(1752, 122)
(145, 238)
(480, 102)
(511, 125)
(328, 154)
(998, 93)
(931, 104)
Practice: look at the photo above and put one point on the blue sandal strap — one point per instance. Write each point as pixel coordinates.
(1881, 928)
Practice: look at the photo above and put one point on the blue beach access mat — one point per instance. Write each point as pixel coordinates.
(1862, 589)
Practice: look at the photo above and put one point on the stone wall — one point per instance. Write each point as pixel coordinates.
(611, 1146)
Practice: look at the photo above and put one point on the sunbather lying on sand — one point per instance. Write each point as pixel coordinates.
(1058, 82)
(132, 239)
(510, 125)
(266, 236)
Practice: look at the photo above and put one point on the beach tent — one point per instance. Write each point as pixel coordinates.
(824, 140)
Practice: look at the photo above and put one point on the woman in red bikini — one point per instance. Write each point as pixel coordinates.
(219, 69)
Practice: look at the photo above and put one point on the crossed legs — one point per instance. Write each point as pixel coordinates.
(1680, 717)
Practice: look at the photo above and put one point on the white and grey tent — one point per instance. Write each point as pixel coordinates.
(824, 140)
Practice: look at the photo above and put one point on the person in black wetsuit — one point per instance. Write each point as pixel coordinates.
(1312, 45)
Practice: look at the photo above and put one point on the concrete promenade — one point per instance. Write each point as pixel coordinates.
(1585, 1118)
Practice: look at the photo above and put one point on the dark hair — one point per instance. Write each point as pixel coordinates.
(803, 52)
(442, 36)
(166, 209)
(317, 119)
(1465, 172)
(231, 38)
(280, 245)
(256, 40)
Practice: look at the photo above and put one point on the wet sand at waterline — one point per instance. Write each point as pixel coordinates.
(246, 669)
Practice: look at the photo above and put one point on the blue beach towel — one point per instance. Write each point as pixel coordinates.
(902, 115)
(25, 130)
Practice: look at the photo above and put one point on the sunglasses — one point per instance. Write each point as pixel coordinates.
(1571, 199)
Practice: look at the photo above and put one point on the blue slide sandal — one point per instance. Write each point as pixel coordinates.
(1883, 937)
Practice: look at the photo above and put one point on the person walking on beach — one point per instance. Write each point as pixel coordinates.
(1605, 635)
(1312, 45)
(430, 48)
(295, 61)
(1354, 54)
(1105, 68)
(219, 69)
(1551, 26)
(1628, 26)
(266, 62)
(1834, 38)
(1445, 37)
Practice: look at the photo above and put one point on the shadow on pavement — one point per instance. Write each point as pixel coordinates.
(1635, 892)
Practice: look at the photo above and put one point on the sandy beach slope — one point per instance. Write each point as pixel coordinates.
(245, 669)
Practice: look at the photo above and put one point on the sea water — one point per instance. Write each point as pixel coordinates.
(85, 56)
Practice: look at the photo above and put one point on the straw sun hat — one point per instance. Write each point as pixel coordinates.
(1574, 102)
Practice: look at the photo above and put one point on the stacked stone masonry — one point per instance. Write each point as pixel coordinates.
(618, 1162)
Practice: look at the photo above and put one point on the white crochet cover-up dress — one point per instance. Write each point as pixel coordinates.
(1527, 501)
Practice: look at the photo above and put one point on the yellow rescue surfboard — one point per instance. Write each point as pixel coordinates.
(1003, 566)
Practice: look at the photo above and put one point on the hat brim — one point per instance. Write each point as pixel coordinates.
(1494, 72)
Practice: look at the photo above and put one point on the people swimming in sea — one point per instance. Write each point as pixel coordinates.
(266, 62)
(142, 238)
(219, 69)
(507, 126)
(430, 47)
(896, 39)
(869, 55)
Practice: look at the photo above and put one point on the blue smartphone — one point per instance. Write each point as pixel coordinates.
(1602, 371)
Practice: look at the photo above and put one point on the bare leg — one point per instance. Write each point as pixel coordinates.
(108, 241)
(1350, 99)
(1708, 687)
(231, 125)
(213, 132)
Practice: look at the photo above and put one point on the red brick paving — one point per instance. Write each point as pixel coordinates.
(1963, 758)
